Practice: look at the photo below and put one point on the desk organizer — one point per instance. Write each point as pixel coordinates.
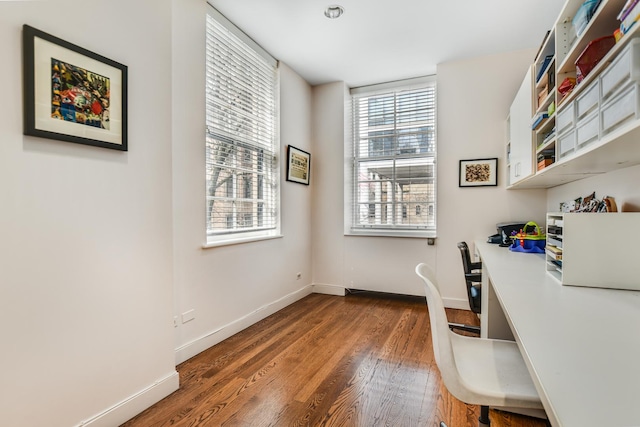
(597, 250)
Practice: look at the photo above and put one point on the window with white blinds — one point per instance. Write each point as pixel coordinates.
(241, 135)
(393, 165)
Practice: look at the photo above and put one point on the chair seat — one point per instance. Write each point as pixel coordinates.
(494, 373)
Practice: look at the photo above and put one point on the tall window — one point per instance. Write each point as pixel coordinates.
(241, 135)
(393, 165)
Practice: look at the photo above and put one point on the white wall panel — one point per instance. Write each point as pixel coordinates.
(85, 258)
(230, 287)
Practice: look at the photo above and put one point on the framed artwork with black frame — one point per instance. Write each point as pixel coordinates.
(298, 165)
(478, 173)
(72, 94)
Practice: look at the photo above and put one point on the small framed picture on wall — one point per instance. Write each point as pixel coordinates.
(478, 173)
(298, 165)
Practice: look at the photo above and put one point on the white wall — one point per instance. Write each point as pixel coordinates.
(85, 252)
(622, 185)
(474, 96)
(473, 102)
(339, 261)
(230, 287)
(327, 178)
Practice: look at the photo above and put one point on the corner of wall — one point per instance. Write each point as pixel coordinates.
(322, 288)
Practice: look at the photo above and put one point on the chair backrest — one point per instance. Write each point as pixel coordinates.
(441, 335)
(466, 257)
(472, 274)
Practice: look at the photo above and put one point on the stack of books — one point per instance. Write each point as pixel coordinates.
(549, 136)
(629, 15)
(538, 120)
(546, 158)
(543, 67)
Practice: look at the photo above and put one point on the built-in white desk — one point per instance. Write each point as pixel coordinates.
(581, 345)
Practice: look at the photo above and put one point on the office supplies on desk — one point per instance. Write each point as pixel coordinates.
(505, 230)
(597, 250)
(495, 239)
(530, 239)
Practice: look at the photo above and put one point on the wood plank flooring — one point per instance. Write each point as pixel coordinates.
(363, 360)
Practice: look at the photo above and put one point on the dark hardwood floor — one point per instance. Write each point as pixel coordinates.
(362, 360)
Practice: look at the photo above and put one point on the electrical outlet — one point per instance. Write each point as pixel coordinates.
(188, 316)
(298, 276)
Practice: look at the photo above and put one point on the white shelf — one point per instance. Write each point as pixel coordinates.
(608, 151)
(550, 143)
(603, 23)
(598, 249)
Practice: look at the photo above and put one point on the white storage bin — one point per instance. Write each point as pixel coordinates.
(588, 130)
(587, 101)
(567, 143)
(622, 108)
(624, 69)
(565, 118)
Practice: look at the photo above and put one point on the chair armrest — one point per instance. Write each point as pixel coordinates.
(474, 277)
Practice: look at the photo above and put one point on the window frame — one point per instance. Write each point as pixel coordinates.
(351, 226)
(265, 154)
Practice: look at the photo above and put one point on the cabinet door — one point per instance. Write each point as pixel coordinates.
(521, 135)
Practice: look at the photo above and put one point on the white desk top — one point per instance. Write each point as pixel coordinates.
(582, 345)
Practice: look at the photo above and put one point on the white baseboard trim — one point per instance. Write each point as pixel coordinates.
(135, 404)
(322, 288)
(190, 349)
(459, 303)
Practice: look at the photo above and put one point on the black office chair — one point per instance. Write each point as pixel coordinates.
(473, 279)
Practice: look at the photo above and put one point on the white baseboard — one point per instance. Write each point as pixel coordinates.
(322, 288)
(459, 303)
(190, 349)
(135, 404)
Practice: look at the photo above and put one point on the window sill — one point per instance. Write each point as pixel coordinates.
(393, 233)
(237, 241)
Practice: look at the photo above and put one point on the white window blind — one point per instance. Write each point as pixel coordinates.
(241, 134)
(393, 165)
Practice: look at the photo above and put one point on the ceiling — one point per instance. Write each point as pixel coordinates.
(378, 41)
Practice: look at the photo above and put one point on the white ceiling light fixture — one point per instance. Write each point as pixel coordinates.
(334, 11)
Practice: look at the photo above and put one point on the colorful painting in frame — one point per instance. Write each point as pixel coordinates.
(73, 94)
